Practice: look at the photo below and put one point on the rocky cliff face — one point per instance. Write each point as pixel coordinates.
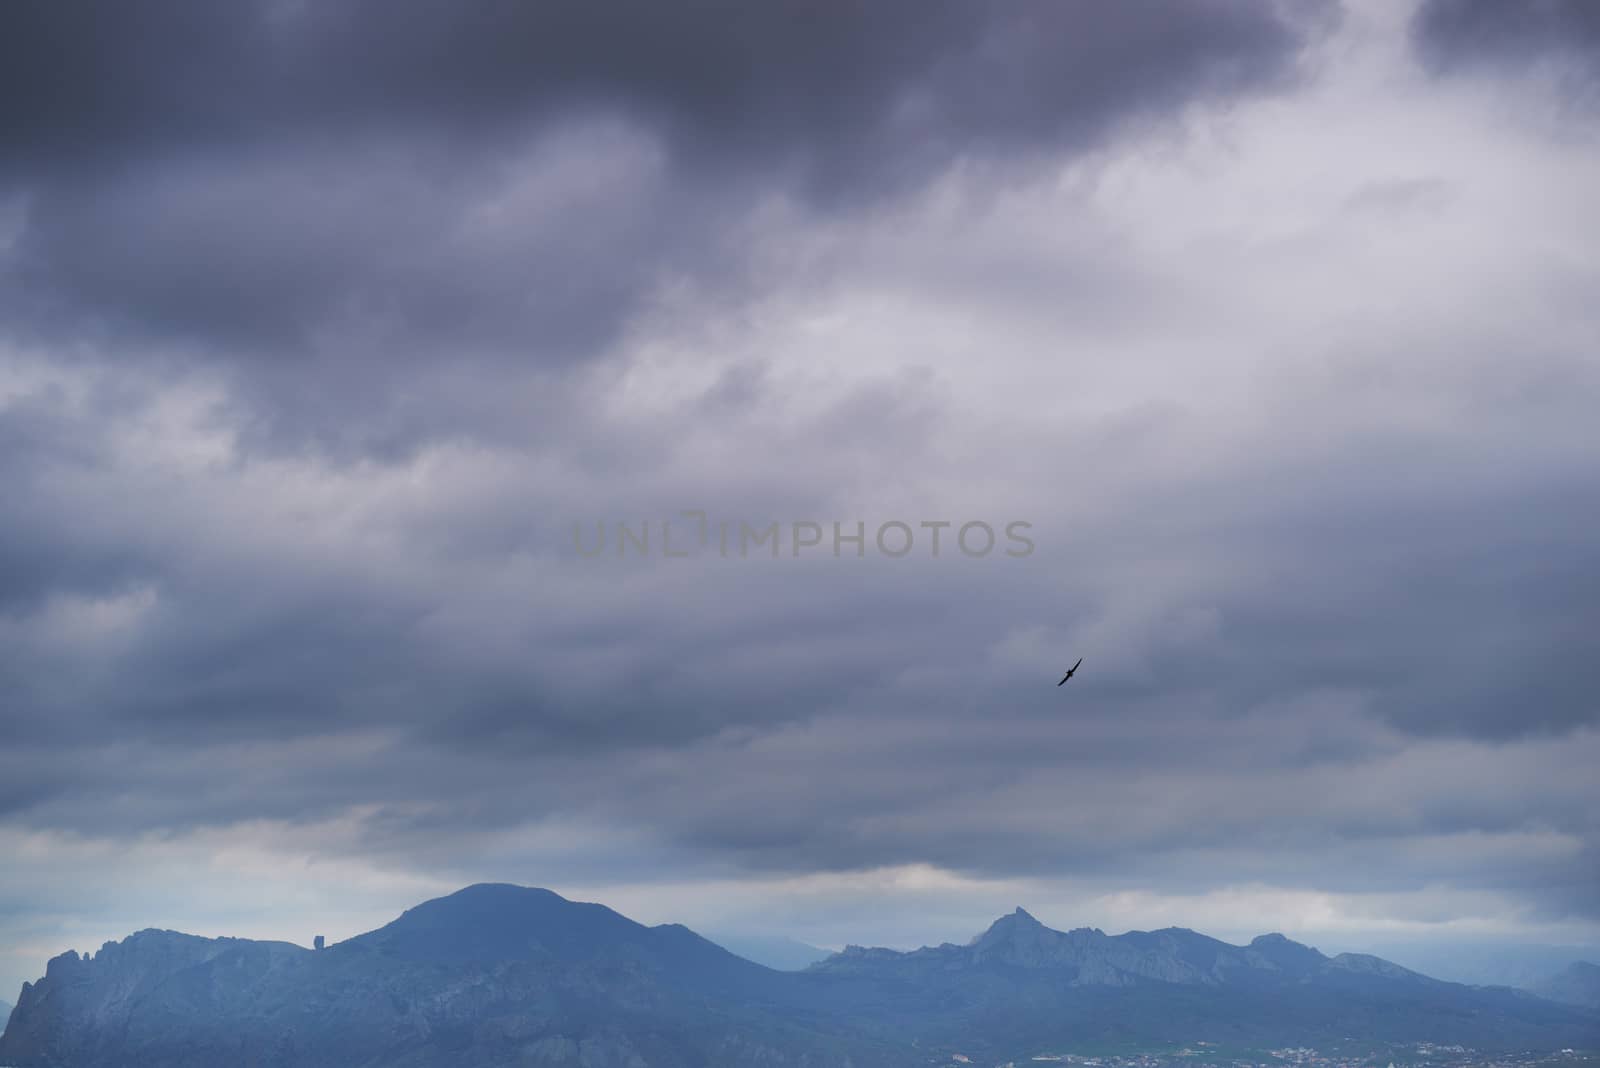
(132, 993)
(506, 976)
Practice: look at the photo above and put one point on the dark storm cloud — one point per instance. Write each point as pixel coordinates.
(1467, 33)
(845, 87)
(352, 191)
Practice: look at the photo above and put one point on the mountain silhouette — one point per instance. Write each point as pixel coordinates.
(501, 975)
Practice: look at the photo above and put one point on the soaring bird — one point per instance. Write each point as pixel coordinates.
(1070, 670)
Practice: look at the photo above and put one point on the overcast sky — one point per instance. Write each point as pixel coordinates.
(321, 325)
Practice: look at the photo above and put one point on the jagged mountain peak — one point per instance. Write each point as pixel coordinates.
(1008, 925)
(1017, 938)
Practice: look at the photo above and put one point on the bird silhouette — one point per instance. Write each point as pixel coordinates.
(1070, 670)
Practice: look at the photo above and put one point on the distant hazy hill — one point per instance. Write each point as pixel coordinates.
(500, 975)
(1484, 961)
(783, 954)
(1577, 984)
(5, 1014)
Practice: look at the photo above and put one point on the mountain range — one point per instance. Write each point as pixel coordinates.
(498, 975)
